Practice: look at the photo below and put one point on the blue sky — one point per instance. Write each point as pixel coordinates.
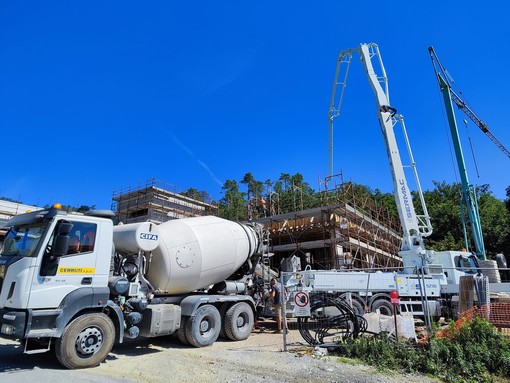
(101, 95)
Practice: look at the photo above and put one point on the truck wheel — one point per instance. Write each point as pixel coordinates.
(223, 310)
(384, 307)
(181, 332)
(86, 341)
(204, 328)
(238, 321)
(357, 305)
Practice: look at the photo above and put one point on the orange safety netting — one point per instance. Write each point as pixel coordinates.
(496, 313)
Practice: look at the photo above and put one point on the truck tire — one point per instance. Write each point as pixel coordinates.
(204, 328)
(357, 305)
(384, 306)
(86, 341)
(181, 332)
(223, 310)
(238, 321)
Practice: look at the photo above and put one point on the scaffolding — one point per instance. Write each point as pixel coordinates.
(153, 201)
(349, 231)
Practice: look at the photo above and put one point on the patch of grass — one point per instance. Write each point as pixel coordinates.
(475, 352)
(350, 361)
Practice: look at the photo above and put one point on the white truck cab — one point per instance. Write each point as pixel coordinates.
(50, 257)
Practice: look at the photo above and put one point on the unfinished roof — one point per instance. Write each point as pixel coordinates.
(154, 202)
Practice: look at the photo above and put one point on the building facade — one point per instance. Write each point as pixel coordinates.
(153, 201)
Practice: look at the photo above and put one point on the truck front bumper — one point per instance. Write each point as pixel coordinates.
(12, 323)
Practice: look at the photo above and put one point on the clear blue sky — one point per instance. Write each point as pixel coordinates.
(101, 95)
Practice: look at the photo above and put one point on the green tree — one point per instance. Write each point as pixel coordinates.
(255, 188)
(79, 209)
(232, 205)
(386, 200)
(443, 205)
(198, 195)
(85, 208)
(507, 201)
(495, 221)
(294, 193)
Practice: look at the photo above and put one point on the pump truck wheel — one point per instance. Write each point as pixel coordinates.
(86, 341)
(238, 321)
(384, 306)
(204, 328)
(356, 303)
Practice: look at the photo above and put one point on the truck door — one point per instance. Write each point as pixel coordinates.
(58, 276)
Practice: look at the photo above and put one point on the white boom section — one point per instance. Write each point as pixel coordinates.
(414, 226)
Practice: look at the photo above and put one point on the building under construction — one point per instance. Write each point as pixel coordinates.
(153, 201)
(349, 231)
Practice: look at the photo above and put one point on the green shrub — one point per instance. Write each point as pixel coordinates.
(475, 352)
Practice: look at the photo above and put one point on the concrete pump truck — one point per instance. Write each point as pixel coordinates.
(429, 279)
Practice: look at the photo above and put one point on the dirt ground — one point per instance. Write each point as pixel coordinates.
(258, 359)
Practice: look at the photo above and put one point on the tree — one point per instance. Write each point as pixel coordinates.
(386, 200)
(85, 208)
(507, 201)
(443, 204)
(232, 205)
(495, 221)
(255, 188)
(198, 195)
(294, 193)
(79, 209)
(256, 204)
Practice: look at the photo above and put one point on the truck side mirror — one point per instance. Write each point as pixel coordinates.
(65, 228)
(61, 245)
(62, 240)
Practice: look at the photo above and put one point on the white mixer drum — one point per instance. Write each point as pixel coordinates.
(197, 252)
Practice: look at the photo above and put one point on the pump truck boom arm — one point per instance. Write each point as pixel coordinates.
(415, 227)
(468, 190)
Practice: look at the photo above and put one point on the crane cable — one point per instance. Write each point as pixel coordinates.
(471, 146)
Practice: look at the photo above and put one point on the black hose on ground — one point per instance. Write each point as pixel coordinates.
(332, 320)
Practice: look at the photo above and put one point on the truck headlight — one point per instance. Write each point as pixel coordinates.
(2, 271)
(7, 329)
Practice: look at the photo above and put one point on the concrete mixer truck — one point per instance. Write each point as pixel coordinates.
(78, 284)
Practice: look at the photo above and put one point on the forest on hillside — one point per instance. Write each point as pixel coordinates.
(250, 198)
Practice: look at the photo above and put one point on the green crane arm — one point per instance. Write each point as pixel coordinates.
(463, 106)
(482, 125)
(468, 191)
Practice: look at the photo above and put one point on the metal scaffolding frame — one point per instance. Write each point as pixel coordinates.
(351, 231)
(153, 201)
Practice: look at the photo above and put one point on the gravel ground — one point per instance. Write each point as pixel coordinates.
(258, 359)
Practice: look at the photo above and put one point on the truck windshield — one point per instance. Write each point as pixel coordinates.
(469, 265)
(22, 240)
